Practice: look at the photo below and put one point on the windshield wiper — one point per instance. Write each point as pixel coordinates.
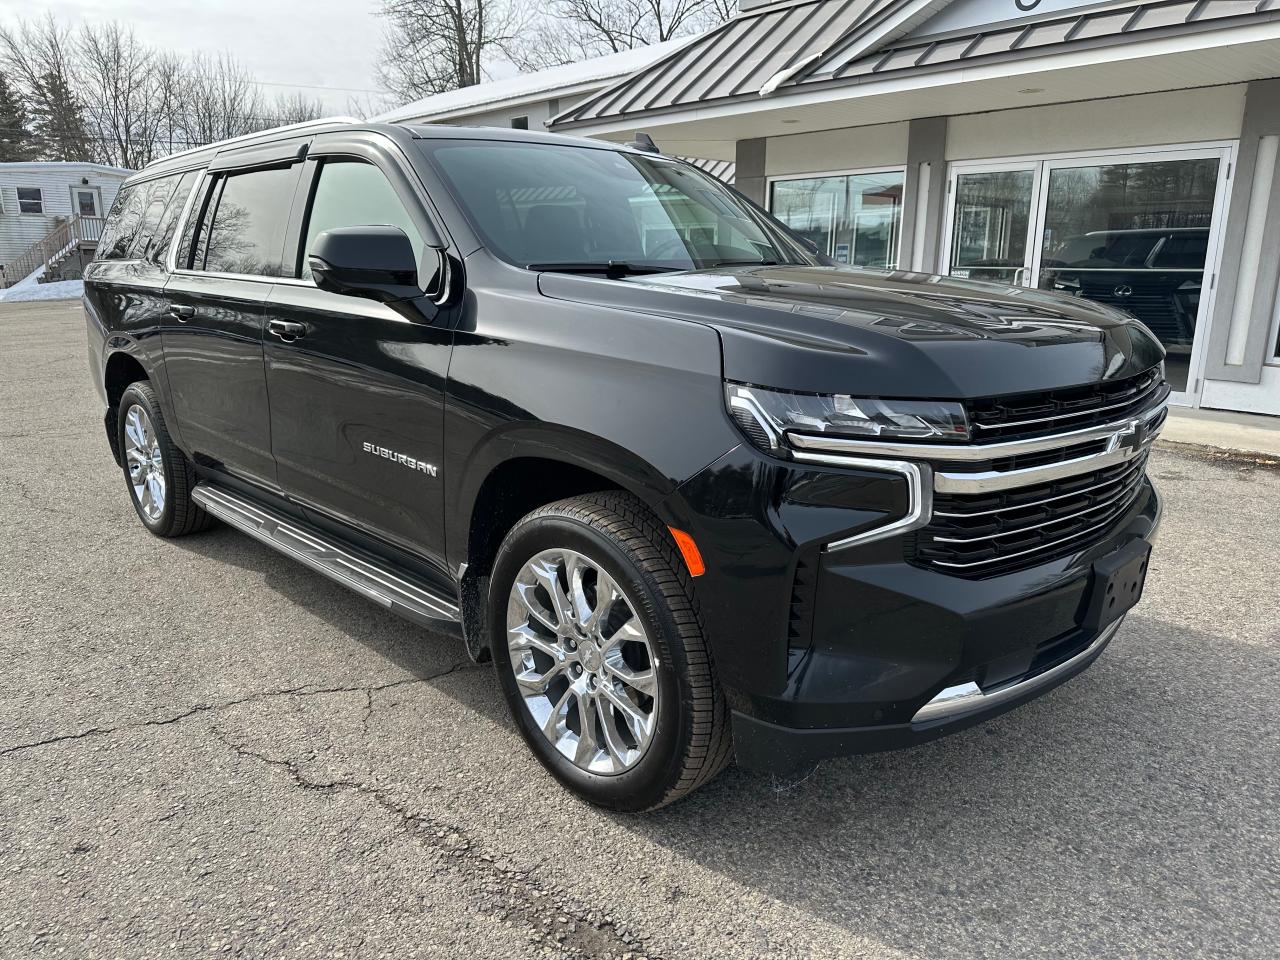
(613, 269)
(741, 263)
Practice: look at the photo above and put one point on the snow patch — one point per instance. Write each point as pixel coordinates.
(30, 288)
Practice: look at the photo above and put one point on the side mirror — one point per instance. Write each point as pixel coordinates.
(376, 263)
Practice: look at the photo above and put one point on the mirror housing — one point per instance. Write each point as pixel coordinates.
(374, 262)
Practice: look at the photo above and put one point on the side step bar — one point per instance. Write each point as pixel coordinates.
(411, 600)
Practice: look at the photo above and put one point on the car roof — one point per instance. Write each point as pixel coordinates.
(202, 155)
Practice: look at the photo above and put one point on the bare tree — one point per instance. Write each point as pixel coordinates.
(576, 30)
(219, 100)
(432, 46)
(294, 108)
(131, 94)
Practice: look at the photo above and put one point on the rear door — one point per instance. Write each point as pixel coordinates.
(357, 400)
(213, 330)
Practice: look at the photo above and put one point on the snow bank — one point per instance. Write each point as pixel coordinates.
(29, 288)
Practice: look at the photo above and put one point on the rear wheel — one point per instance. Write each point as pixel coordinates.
(601, 656)
(158, 475)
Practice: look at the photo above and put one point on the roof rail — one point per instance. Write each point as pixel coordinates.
(250, 136)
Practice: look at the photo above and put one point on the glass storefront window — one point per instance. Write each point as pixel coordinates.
(992, 219)
(853, 218)
(1134, 235)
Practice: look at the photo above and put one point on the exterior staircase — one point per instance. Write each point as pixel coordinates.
(62, 253)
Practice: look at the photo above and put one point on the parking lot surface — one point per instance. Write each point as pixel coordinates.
(206, 749)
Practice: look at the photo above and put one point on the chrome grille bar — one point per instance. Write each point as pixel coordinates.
(1032, 504)
(1127, 491)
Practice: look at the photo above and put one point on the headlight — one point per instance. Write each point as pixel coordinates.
(766, 416)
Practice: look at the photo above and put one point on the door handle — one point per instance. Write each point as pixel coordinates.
(181, 312)
(287, 330)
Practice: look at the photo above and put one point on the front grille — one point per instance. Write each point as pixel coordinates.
(980, 535)
(1023, 415)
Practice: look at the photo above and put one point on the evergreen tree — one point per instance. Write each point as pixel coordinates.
(58, 121)
(17, 142)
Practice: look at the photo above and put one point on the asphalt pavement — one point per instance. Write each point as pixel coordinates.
(208, 750)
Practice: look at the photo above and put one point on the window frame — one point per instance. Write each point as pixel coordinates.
(384, 154)
(202, 206)
(39, 201)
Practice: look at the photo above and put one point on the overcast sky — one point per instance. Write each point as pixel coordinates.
(325, 48)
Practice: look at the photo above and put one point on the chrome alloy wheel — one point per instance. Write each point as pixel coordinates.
(146, 465)
(583, 662)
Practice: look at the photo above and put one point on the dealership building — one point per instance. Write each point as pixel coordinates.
(1124, 151)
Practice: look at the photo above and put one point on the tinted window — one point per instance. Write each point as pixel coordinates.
(155, 200)
(158, 244)
(246, 226)
(351, 193)
(121, 231)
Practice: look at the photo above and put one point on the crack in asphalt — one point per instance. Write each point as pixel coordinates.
(509, 892)
(303, 690)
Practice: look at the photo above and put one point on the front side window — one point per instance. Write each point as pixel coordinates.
(353, 193)
(244, 223)
(542, 205)
(30, 200)
(853, 219)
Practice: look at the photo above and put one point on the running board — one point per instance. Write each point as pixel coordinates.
(411, 600)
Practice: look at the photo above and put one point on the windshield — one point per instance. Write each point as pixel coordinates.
(544, 204)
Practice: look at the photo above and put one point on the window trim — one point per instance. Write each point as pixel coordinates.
(384, 154)
(30, 213)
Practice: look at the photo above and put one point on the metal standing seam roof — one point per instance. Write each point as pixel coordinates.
(722, 170)
(832, 34)
(736, 58)
(1031, 37)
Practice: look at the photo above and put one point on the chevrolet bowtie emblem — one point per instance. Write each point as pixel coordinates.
(1133, 437)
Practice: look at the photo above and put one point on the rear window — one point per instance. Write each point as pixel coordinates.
(244, 223)
(121, 231)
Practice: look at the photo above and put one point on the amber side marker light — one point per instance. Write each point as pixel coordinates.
(689, 550)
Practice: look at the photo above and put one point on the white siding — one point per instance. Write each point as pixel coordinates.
(55, 180)
(1185, 116)
(883, 145)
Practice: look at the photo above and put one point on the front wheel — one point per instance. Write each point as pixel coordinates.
(600, 654)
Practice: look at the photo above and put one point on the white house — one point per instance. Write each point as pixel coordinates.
(48, 208)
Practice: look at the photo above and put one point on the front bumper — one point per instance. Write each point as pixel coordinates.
(825, 652)
(772, 748)
(900, 656)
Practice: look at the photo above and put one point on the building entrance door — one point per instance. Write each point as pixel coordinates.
(1138, 232)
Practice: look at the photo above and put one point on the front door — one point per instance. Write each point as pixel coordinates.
(1137, 232)
(86, 201)
(357, 392)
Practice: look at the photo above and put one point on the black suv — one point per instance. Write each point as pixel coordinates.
(699, 492)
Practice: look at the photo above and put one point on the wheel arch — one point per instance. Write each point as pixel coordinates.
(518, 471)
(121, 369)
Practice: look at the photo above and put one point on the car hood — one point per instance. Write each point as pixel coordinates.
(884, 333)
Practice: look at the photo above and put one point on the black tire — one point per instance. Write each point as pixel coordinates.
(181, 515)
(691, 742)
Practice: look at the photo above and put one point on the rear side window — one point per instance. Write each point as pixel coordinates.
(353, 193)
(122, 223)
(161, 235)
(244, 223)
